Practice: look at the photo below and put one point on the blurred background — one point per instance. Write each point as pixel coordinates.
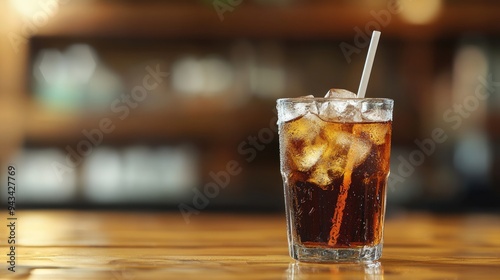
(168, 104)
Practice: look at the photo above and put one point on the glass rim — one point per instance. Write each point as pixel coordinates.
(323, 99)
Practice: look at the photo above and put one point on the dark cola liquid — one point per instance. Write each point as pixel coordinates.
(314, 206)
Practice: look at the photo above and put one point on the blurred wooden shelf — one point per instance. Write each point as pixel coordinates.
(300, 19)
(195, 122)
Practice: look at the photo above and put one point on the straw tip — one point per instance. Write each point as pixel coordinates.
(368, 63)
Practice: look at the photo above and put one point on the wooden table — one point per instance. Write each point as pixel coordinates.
(144, 245)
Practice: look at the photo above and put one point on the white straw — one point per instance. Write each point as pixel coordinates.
(368, 64)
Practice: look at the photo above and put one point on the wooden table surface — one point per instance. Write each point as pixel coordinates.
(144, 245)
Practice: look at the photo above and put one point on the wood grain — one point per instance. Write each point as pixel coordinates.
(146, 245)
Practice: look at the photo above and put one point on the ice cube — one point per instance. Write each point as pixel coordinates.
(360, 150)
(376, 132)
(309, 156)
(352, 112)
(320, 176)
(328, 111)
(375, 112)
(302, 140)
(341, 143)
(304, 128)
(333, 161)
(339, 111)
(293, 110)
(331, 166)
(339, 93)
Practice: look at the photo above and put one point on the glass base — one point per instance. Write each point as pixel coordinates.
(331, 255)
